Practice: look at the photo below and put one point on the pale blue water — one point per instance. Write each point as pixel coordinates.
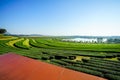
(85, 40)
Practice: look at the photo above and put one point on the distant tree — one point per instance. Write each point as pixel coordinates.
(2, 31)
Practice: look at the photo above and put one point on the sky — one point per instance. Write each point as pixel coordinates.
(61, 17)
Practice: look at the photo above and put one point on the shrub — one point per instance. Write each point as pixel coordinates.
(69, 61)
(97, 73)
(60, 57)
(51, 57)
(19, 44)
(60, 62)
(45, 52)
(2, 31)
(45, 57)
(112, 77)
(119, 58)
(72, 57)
(85, 59)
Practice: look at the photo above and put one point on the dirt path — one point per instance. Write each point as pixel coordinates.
(16, 67)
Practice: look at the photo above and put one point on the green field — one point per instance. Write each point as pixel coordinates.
(100, 59)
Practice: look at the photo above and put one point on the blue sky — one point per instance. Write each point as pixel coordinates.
(61, 17)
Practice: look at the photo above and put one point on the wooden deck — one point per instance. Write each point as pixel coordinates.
(16, 67)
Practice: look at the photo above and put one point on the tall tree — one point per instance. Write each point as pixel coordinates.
(2, 31)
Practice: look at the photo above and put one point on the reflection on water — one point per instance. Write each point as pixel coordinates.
(87, 39)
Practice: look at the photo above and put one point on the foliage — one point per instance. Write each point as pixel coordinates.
(20, 44)
(3, 31)
(94, 56)
(112, 77)
(60, 62)
(45, 57)
(93, 72)
(72, 57)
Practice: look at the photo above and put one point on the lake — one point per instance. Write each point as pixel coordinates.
(87, 39)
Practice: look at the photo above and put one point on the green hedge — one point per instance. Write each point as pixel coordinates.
(19, 44)
(93, 72)
(112, 77)
(62, 63)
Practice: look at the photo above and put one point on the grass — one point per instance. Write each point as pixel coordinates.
(26, 43)
(80, 46)
(112, 59)
(2, 37)
(22, 44)
(56, 46)
(11, 43)
(80, 58)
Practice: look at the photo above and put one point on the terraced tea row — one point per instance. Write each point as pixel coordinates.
(2, 37)
(99, 68)
(19, 43)
(80, 46)
(43, 43)
(28, 43)
(23, 44)
(11, 43)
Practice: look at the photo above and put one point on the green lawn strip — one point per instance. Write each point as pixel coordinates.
(20, 44)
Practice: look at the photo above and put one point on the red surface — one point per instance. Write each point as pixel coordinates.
(16, 67)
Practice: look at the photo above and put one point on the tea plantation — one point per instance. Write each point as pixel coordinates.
(99, 59)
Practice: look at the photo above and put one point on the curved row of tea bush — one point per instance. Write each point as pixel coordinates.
(96, 68)
(85, 70)
(80, 46)
(34, 43)
(26, 43)
(6, 46)
(106, 61)
(12, 42)
(81, 66)
(81, 69)
(19, 44)
(104, 68)
(112, 77)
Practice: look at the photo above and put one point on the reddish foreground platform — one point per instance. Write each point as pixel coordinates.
(16, 67)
